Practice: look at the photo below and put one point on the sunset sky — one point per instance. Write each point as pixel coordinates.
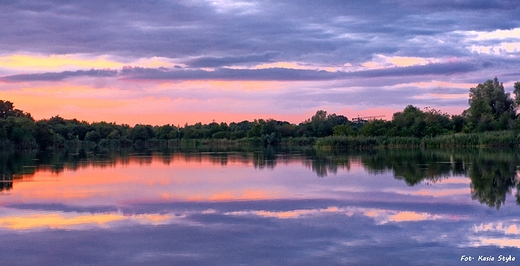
(176, 62)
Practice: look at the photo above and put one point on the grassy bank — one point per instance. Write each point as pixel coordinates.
(485, 139)
(459, 140)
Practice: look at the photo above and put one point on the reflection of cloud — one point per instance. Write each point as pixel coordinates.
(385, 216)
(501, 242)
(381, 216)
(501, 234)
(286, 214)
(497, 227)
(248, 194)
(442, 193)
(409, 217)
(54, 220)
(60, 220)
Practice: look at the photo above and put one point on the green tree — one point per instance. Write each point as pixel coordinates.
(437, 122)
(142, 132)
(491, 108)
(517, 93)
(165, 132)
(7, 109)
(320, 124)
(410, 122)
(93, 136)
(376, 127)
(21, 130)
(492, 180)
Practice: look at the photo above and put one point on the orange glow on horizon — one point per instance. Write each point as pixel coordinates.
(112, 105)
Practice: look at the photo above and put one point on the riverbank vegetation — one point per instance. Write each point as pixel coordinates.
(490, 120)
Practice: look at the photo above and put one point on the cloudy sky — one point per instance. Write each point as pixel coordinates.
(176, 62)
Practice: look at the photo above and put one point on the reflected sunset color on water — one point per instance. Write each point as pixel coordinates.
(260, 207)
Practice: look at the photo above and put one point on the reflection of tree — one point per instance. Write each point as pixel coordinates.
(323, 163)
(322, 166)
(265, 158)
(492, 180)
(492, 173)
(15, 166)
(219, 158)
(413, 166)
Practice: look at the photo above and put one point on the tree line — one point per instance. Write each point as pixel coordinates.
(490, 109)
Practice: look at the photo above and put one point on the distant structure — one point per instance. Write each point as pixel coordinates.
(364, 119)
(6, 182)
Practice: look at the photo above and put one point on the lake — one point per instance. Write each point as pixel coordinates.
(263, 207)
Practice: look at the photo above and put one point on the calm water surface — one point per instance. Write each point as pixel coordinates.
(260, 208)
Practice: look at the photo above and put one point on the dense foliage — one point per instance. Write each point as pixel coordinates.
(490, 109)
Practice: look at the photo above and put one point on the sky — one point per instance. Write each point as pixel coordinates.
(187, 61)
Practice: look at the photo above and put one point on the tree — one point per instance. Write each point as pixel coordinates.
(7, 110)
(437, 122)
(490, 107)
(142, 132)
(320, 124)
(517, 93)
(376, 127)
(410, 122)
(93, 136)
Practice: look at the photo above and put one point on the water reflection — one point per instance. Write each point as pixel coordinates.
(493, 174)
(415, 166)
(492, 180)
(13, 167)
(264, 207)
